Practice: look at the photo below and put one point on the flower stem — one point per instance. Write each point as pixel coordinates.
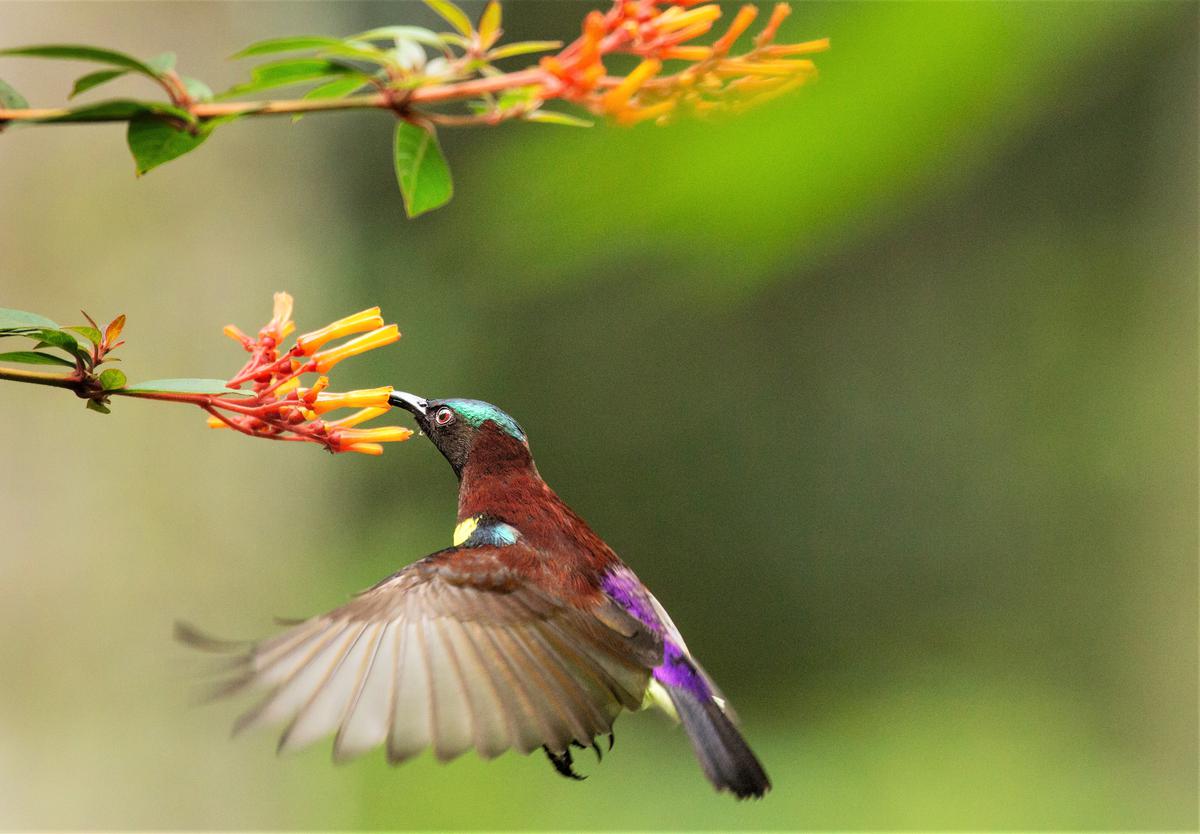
(40, 378)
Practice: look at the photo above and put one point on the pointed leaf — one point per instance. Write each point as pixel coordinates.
(113, 331)
(96, 405)
(162, 64)
(510, 50)
(340, 88)
(452, 14)
(59, 339)
(95, 79)
(10, 98)
(118, 110)
(186, 386)
(89, 333)
(197, 89)
(402, 33)
(20, 319)
(489, 24)
(421, 169)
(287, 72)
(33, 357)
(292, 44)
(112, 379)
(154, 141)
(83, 53)
(552, 118)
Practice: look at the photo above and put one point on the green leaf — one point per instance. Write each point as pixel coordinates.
(95, 79)
(185, 386)
(511, 50)
(57, 338)
(118, 110)
(162, 64)
(489, 24)
(96, 405)
(83, 53)
(32, 357)
(21, 320)
(112, 379)
(287, 72)
(292, 44)
(552, 118)
(197, 89)
(153, 141)
(363, 51)
(402, 33)
(452, 14)
(339, 88)
(10, 98)
(89, 333)
(421, 169)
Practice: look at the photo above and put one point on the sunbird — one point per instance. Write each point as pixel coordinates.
(529, 632)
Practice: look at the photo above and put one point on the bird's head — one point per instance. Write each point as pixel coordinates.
(459, 427)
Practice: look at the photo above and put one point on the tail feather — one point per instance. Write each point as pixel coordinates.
(725, 756)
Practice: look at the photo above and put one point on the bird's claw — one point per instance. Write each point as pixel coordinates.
(562, 763)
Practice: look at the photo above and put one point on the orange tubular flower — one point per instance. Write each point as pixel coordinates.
(281, 325)
(326, 359)
(370, 319)
(386, 434)
(618, 97)
(356, 418)
(741, 23)
(267, 398)
(367, 398)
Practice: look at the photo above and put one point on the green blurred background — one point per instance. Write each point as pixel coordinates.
(889, 391)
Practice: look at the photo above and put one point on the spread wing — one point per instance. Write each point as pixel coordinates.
(453, 652)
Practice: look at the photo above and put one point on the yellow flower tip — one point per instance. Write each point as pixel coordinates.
(616, 98)
(310, 394)
(326, 359)
(741, 23)
(283, 307)
(217, 423)
(671, 21)
(235, 333)
(806, 48)
(634, 115)
(356, 418)
(281, 322)
(384, 434)
(364, 448)
(778, 15)
(366, 398)
(687, 53)
(357, 323)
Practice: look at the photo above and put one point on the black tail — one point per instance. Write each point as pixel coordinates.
(727, 760)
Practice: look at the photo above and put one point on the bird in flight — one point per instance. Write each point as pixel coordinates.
(528, 633)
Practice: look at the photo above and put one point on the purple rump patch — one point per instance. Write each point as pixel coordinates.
(677, 668)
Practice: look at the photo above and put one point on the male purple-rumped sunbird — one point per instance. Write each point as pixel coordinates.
(529, 632)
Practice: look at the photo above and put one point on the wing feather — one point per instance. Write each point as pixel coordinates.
(447, 654)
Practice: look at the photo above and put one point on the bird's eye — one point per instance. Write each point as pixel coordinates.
(443, 416)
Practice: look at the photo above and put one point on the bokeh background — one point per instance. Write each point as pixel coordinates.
(888, 390)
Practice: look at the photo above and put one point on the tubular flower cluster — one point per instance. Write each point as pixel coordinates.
(658, 32)
(272, 402)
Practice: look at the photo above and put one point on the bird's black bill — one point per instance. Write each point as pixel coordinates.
(409, 402)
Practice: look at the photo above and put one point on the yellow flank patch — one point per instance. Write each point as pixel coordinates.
(656, 696)
(464, 530)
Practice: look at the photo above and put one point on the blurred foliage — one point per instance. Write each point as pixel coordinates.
(889, 392)
(411, 71)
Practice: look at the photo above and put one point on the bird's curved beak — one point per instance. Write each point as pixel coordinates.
(409, 402)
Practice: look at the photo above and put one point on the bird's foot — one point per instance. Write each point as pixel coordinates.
(562, 763)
